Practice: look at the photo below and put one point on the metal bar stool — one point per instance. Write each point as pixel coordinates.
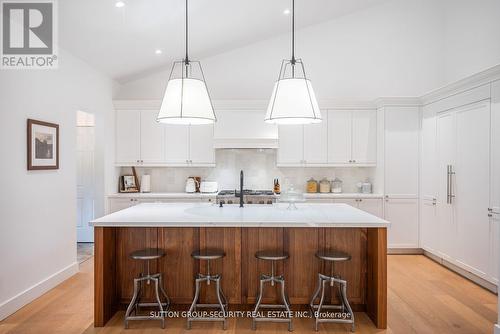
(272, 256)
(208, 277)
(332, 280)
(135, 304)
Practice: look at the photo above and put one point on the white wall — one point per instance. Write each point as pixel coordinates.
(471, 37)
(385, 50)
(38, 208)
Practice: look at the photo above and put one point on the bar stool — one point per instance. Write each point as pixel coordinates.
(333, 257)
(272, 256)
(208, 255)
(135, 304)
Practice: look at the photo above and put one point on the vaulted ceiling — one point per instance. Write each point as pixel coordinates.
(121, 42)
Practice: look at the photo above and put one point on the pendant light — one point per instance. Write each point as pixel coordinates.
(186, 99)
(293, 100)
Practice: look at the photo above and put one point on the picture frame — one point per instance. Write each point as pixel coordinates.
(42, 145)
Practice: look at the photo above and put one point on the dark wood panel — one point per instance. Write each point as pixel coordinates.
(229, 240)
(105, 302)
(353, 242)
(129, 239)
(177, 266)
(253, 240)
(376, 306)
(301, 269)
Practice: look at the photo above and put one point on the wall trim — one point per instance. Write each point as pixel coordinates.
(405, 251)
(23, 298)
(479, 79)
(462, 272)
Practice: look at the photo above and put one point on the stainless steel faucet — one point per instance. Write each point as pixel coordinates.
(241, 188)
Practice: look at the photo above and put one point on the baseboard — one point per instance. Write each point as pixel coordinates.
(405, 251)
(497, 329)
(464, 273)
(18, 301)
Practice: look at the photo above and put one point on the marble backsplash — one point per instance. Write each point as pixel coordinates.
(260, 170)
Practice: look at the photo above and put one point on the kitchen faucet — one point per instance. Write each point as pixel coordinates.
(241, 188)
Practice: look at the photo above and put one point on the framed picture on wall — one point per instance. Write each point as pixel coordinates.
(43, 145)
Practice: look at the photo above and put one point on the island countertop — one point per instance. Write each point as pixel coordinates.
(211, 215)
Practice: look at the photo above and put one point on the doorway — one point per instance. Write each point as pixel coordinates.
(85, 169)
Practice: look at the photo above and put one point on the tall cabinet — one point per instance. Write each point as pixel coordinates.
(401, 168)
(460, 180)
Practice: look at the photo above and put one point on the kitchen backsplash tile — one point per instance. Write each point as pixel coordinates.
(259, 167)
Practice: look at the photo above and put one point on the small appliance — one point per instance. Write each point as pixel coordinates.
(191, 185)
(209, 187)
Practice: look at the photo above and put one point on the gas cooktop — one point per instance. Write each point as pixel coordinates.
(246, 192)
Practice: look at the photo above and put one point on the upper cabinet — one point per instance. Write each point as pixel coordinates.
(344, 138)
(140, 140)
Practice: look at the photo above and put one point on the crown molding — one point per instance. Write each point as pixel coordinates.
(409, 101)
(476, 80)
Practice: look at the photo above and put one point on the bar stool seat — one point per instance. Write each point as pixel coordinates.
(332, 256)
(147, 255)
(329, 255)
(273, 256)
(222, 304)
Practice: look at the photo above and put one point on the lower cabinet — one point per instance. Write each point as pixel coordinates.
(117, 204)
(402, 213)
(373, 206)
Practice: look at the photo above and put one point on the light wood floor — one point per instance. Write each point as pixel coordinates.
(423, 298)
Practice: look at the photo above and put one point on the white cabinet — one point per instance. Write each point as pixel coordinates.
(152, 138)
(344, 138)
(117, 204)
(402, 133)
(128, 136)
(339, 136)
(315, 142)
(373, 206)
(303, 145)
(140, 140)
(201, 145)
(291, 145)
(176, 144)
(352, 137)
(495, 184)
(403, 215)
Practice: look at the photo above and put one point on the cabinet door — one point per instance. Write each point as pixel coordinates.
(364, 136)
(128, 136)
(316, 142)
(429, 227)
(446, 148)
(348, 201)
(176, 144)
(402, 127)
(201, 144)
(291, 141)
(117, 204)
(372, 205)
(495, 182)
(152, 138)
(402, 214)
(339, 136)
(472, 187)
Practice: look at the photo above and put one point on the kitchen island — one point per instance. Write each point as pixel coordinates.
(181, 228)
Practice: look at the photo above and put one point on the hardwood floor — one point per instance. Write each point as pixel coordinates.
(423, 297)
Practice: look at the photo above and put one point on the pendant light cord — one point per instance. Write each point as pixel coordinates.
(293, 32)
(187, 58)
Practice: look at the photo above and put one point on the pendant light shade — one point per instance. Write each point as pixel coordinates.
(186, 99)
(293, 100)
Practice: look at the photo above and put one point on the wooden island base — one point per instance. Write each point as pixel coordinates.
(366, 272)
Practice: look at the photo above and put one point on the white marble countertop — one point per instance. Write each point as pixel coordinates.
(207, 195)
(211, 215)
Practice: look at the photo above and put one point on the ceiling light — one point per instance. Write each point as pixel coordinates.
(158, 52)
(119, 4)
(186, 99)
(286, 12)
(293, 100)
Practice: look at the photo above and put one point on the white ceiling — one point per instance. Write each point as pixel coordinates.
(121, 42)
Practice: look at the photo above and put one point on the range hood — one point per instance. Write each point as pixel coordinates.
(244, 129)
